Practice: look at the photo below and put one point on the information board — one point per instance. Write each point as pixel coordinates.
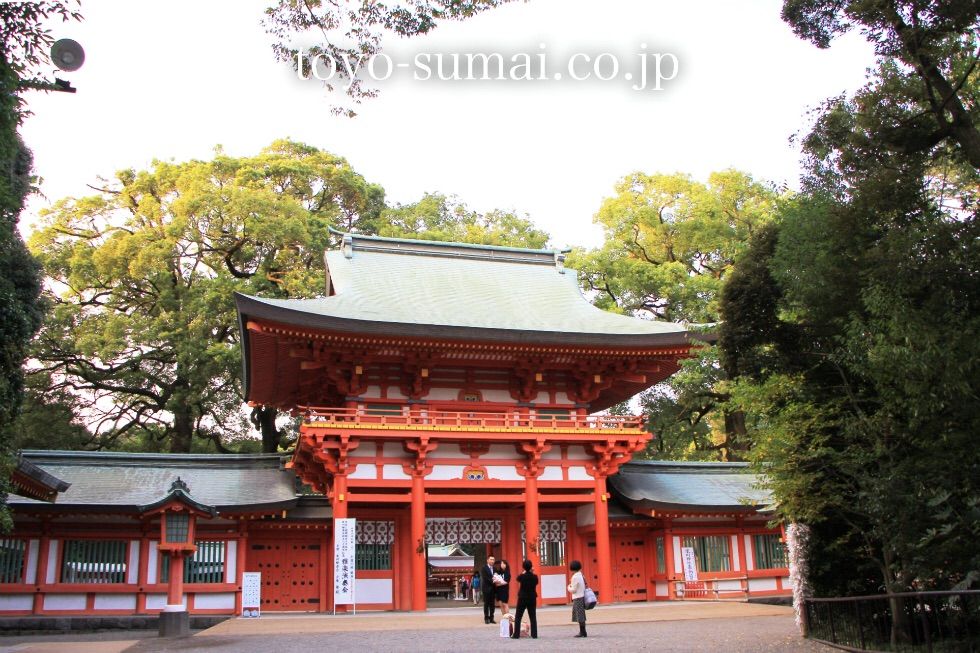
(344, 554)
(251, 593)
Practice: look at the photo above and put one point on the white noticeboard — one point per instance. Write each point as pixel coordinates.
(344, 550)
(690, 563)
(251, 593)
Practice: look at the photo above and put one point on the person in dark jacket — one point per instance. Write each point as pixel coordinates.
(503, 590)
(489, 593)
(527, 599)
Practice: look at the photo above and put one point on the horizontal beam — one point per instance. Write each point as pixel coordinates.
(378, 497)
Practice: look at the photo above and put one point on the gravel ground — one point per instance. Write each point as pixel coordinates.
(743, 635)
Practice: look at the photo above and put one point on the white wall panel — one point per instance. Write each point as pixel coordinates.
(553, 586)
(218, 601)
(115, 601)
(33, 550)
(578, 474)
(446, 450)
(231, 561)
(503, 473)
(445, 472)
(736, 559)
(678, 561)
(133, 568)
(394, 472)
(64, 601)
(762, 584)
(550, 474)
(373, 590)
(749, 553)
(152, 555)
(364, 470)
(19, 602)
(364, 450)
(52, 573)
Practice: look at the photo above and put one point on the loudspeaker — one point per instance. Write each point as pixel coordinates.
(67, 54)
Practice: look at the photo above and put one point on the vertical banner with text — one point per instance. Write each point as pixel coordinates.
(344, 552)
(690, 564)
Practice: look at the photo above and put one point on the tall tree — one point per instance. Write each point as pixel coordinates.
(142, 276)
(861, 385)
(670, 243)
(23, 40)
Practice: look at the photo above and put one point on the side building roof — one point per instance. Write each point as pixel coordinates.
(647, 486)
(127, 482)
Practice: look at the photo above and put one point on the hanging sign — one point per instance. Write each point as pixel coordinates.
(690, 563)
(344, 550)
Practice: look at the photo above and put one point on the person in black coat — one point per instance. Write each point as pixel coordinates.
(503, 590)
(527, 599)
(489, 593)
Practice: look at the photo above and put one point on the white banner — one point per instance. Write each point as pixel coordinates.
(251, 593)
(690, 563)
(344, 563)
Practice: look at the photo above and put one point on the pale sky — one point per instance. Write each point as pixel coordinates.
(170, 80)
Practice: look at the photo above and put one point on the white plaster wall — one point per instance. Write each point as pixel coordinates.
(553, 586)
(394, 472)
(364, 470)
(33, 549)
(115, 601)
(762, 584)
(501, 396)
(373, 590)
(749, 557)
(158, 601)
(52, 572)
(552, 454)
(503, 473)
(661, 588)
(64, 601)
(20, 602)
(152, 555)
(446, 472)
(577, 452)
(442, 394)
(577, 473)
(736, 563)
(543, 397)
(394, 392)
(231, 561)
(562, 398)
(550, 474)
(133, 568)
(678, 562)
(394, 450)
(505, 451)
(219, 601)
(372, 392)
(729, 585)
(364, 450)
(447, 450)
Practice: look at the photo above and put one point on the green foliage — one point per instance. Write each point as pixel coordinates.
(859, 371)
(670, 244)
(143, 326)
(436, 217)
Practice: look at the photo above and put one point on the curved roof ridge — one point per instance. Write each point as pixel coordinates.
(446, 243)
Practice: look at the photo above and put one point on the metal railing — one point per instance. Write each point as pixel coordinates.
(346, 417)
(907, 622)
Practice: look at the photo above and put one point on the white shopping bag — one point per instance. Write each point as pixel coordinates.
(506, 626)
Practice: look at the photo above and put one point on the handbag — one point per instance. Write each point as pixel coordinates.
(590, 598)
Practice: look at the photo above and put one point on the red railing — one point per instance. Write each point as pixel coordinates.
(421, 418)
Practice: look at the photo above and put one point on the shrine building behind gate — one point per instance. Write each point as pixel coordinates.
(449, 394)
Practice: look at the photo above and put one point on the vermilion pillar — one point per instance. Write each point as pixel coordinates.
(175, 592)
(602, 548)
(418, 574)
(669, 558)
(532, 531)
(340, 496)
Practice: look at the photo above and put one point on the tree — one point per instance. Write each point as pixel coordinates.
(858, 378)
(23, 40)
(143, 324)
(437, 217)
(351, 33)
(670, 244)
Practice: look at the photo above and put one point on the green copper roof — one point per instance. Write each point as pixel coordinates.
(646, 485)
(405, 287)
(127, 481)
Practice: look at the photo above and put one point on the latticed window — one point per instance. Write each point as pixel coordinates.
(661, 560)
(94, 561)
(178, 524)
(206, 565)
(770, 553)
(712, 552)
(552, 554)
(11, 560)
(373, 557)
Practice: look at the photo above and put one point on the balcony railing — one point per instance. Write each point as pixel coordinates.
(432, 419)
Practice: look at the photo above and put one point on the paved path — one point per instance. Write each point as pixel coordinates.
(676, 626)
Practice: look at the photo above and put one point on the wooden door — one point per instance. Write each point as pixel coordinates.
(629, 579)
(291, 574)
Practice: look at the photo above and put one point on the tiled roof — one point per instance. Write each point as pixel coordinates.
(652, 485)
(406, 287)
(125, 481)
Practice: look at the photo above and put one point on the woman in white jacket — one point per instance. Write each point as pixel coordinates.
(577, 589)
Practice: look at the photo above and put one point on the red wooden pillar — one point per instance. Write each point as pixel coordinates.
(240, 557)
(418, 574)
(175, 590)
(143, 572)
(742, 554)
(43, 553)
(340, 496)
(602, 546)
(532, 530)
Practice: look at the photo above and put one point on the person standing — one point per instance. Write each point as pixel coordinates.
(486, 585)
(527, 599)
(475, 586)
(464, 589)
(503, 589)
(577, 589)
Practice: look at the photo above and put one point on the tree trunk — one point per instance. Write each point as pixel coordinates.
(264, 419)
(183, 431)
